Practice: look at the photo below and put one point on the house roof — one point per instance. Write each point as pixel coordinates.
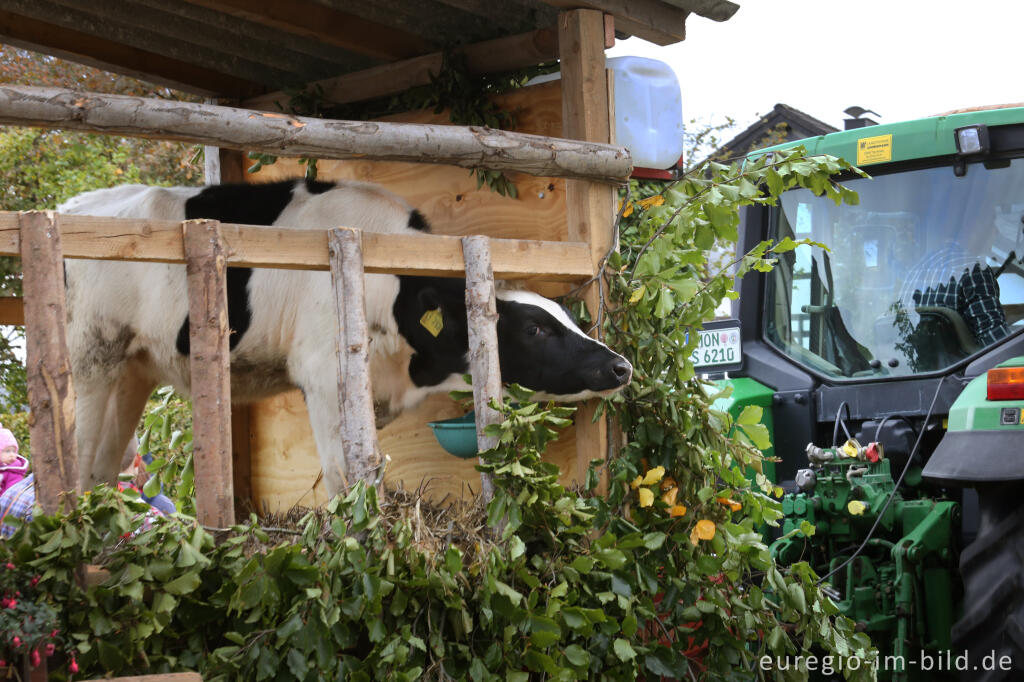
(783, 123)
(241, 49)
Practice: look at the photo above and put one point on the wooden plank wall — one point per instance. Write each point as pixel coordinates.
(285, 467)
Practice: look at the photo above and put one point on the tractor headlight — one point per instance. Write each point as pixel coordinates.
(972, 140)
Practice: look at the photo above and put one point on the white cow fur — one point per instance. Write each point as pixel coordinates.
(124, 319)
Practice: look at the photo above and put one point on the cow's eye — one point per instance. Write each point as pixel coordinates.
(536, 330)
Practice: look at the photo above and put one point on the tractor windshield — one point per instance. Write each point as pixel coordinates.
(925, 271)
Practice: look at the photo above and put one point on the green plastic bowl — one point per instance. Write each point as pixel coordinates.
(458, 435)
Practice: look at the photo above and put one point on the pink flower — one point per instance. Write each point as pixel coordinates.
(34, 581)
(50, 648)
(10, 566)
(74, 664)
(36, 658)
(16, 641)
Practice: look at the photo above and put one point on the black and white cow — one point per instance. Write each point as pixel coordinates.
(128, 322)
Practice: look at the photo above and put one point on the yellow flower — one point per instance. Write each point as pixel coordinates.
(646, 497)
(704, 530)
(670, 496)
(677, 510)
(731, 504)
(629, 210)
(653, 476)
(636, 482)
(656, 200)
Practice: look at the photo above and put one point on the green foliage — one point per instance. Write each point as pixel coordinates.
(680, 474)
(41, 168)
(468, 98)
(167, 436)
(28, 621)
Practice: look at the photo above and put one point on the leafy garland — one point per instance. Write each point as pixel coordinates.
(468, 97)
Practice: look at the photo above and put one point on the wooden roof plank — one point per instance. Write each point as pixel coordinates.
(240, 41)
(258, 33)
(41, 36)
(331, 26)
(652, 20)
(715, 10)
(491, 56)
(93, 23)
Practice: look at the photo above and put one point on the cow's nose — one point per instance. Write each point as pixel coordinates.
(622, 370)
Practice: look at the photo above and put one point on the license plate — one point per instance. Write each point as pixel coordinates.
(717, 347)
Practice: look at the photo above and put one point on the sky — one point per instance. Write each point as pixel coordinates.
(903, 59)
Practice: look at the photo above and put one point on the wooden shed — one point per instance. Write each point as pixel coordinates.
(246, 53)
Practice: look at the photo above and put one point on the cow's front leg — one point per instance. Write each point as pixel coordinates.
(325, 418)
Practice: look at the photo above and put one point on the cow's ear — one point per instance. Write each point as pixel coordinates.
(428, 298)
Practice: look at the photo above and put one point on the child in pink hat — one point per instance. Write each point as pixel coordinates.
(13, 467)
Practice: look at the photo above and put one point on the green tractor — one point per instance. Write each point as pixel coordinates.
(891, 370)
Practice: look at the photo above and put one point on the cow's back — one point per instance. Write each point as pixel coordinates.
(280, 319)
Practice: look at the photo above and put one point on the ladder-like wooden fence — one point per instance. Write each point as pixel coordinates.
(207, 248)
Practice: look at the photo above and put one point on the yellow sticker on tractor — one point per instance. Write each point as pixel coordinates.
(433, 321)
(874, 149)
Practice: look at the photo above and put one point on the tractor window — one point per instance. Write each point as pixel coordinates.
(927, 270)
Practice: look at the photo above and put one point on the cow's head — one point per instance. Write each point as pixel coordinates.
(539, 345)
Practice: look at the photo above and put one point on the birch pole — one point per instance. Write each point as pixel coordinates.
(355, 395)
(274, 133)
(482, 316)
(51, 394)
(206, 272)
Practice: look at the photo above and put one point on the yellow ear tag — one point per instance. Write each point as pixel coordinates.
(433, 321)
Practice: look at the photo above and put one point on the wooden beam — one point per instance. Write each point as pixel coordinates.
(51, 394)
(76, 46)
(160, 241)
(358, 426)
(211, 385)
(652, 20)
(586, 115)
(12, 310)
(468, 147)
(482, 320)
(315, 21)
(491, 56)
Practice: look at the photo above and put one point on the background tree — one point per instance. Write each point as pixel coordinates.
(41, 168)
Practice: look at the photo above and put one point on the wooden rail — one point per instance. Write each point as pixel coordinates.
(248, 130)
(160, 241)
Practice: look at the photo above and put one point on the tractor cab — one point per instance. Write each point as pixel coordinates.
(923, 279)
(865, 354)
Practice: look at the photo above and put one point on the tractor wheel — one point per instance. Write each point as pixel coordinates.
(992, 568)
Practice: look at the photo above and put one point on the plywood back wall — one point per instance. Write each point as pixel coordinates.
(285, 467)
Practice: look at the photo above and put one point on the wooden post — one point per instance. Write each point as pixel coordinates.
(586, 115)
(206, 268)
(51, 394)
(358, 427)
(484, 364)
